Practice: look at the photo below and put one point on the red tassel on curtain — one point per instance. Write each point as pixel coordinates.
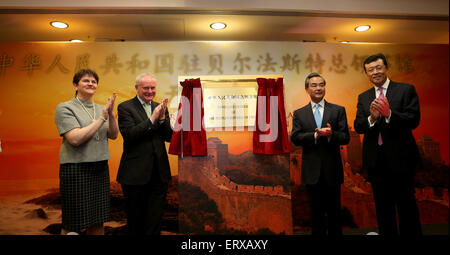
(270, 135)
(189, 129)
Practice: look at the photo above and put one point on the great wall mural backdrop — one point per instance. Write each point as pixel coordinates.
(223, 193)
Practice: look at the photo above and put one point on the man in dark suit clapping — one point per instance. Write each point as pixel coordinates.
(386, 115)
(144, 170)
(321, 128)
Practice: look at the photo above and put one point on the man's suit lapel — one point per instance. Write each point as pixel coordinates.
(310, 115)
(140, 108)
(154, 104)
(371, 96)
(326, 114)
(390, 93)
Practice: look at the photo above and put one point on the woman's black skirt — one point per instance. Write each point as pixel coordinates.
(85, 199)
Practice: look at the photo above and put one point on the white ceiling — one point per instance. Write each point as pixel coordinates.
(282, 20)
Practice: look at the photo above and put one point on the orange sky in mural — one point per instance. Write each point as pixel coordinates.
(29, 159)
(238, 141)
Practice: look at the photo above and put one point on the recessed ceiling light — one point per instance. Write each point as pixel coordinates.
(345, 42)
(362, 28)
(218, 25)
(58, 24)
(75, 40)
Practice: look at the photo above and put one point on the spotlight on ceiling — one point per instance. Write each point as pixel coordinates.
(58, 24)
(362, 28)
(218, 25)
(75, 40)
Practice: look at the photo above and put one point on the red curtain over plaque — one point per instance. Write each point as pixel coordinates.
(189, 136)
(270, 135)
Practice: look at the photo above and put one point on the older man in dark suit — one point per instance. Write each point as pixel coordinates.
(144, 170)
(386, 115)
(321, 128)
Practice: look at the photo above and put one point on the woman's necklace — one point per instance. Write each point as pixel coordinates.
(97, 137)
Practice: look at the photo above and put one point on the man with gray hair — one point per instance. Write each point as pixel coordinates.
(144, 171)
(321, 128)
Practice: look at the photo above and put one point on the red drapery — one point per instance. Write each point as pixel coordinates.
(270, 135)
(189, 129)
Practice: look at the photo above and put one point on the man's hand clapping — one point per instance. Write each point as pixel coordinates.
(324, 131)
(159, 113)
